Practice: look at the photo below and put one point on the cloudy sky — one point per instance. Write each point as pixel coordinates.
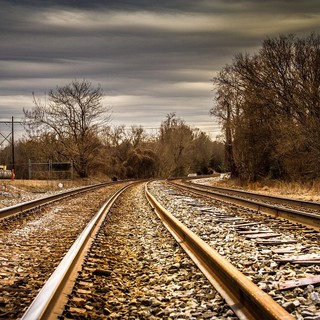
(151, 58)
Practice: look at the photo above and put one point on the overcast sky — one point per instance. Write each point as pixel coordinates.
(151, 58)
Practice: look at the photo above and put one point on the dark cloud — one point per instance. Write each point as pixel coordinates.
(150, 57)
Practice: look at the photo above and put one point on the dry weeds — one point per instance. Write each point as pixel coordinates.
(39, 186)
(309, 191)
(306, 191)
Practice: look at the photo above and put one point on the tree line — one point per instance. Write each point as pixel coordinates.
(72, 125)
(269, 106)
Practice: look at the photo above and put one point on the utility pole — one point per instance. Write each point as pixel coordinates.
(5, 137)
(12, 142)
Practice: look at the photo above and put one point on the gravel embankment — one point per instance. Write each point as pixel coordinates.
(215, 222)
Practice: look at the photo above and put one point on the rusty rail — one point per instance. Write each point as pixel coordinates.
(29, 205)
(260, 196)
(51, 299)
(246, 299)
(308, 219)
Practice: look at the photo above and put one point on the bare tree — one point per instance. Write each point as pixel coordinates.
(175, 146)
(75, 114)
(227, 109)
(274, 119)
(202, 151)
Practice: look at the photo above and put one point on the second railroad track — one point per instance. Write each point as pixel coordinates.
(130, 266)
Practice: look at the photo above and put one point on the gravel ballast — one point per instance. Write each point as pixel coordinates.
(136, 270)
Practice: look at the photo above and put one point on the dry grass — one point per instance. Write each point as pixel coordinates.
(38, 186)
(305, 191)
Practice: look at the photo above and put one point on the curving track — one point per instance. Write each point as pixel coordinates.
(280, 257)
(133, 269)
(299, 211)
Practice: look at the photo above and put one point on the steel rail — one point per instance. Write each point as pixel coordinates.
(308, 219)
(25, 206)
(245, 298)
(255, 195)
(47, 304)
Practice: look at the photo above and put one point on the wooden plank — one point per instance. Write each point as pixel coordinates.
(262, 235)
(309, 231)
(219, 216)
(244, 225)
(296, 259)
(194, 203)
(231, 219)
(290, 228)
(298, 282)
(208, 209)
(307, 262)
(276, 241)
(241, 221)
(253, 231)
(285, 250)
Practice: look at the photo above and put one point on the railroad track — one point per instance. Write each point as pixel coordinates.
(299, 204)
(136, 270)
(297, 211)
(34, 204)
(34, 241)
(282, 258)
(132, 268)
(51, 299)
(104, 290)
(246, 299)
